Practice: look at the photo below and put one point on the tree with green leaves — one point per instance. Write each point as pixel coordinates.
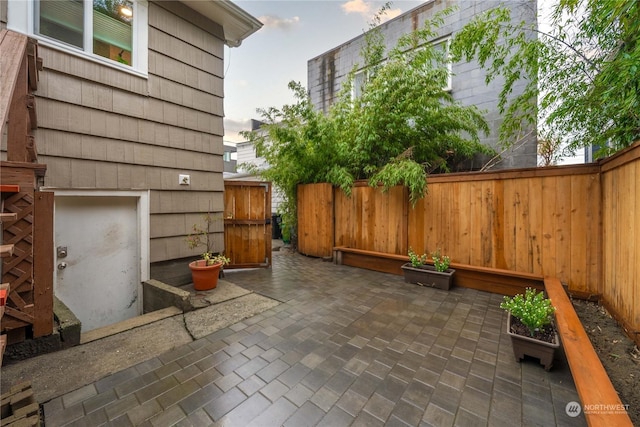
(403, 125)
(583, 73)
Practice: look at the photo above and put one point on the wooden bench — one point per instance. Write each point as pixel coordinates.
(594, 387)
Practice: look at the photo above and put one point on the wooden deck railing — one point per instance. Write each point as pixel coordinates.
(27, 214)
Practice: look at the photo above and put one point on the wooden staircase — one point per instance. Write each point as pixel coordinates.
(26, 214)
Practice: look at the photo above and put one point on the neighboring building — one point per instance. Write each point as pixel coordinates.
(327, 72)
(246, 155)
(130, 116)
(229, 158)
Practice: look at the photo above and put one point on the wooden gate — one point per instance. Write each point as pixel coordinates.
(247, 223)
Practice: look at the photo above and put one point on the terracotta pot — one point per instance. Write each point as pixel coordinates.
(205, 277)
(427, 275)
(528, 346)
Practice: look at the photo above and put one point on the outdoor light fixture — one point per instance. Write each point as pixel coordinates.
(124, 10)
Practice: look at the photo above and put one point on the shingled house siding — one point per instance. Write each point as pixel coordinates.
(107, 129)
(327, 72)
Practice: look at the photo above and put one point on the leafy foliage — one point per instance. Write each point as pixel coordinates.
(583, 75)
(415, 259)
(201, 236)
(533, 309)
(403, 125)
(440, 262)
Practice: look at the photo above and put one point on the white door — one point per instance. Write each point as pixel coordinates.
(97, 247)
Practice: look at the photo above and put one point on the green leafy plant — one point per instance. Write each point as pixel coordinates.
(426, 131)
(415, 259)
(533, 309)
(582, 74)
(440, 262)
(201, 236)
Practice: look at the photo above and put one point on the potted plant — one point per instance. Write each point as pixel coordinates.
(206, 271)
(438, 275)
(530, 326)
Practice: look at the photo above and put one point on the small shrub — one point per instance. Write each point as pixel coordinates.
(533, 309)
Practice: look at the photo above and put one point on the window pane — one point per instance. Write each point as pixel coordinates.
(62, 20)
(113, 29)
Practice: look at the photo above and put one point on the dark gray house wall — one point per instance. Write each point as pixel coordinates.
(326, 73)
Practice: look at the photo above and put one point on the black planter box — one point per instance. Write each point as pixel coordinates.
(426, 275)
(528, 346)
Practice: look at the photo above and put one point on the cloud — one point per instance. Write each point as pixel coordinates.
(272, 21)
(367, 10)
(357, 6)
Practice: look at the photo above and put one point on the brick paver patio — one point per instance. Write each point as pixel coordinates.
(345, 347)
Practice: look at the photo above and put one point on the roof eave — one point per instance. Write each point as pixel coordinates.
(236, 22)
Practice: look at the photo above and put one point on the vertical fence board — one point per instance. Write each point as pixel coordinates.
(535, 226)
(43, 264)
(316, 219)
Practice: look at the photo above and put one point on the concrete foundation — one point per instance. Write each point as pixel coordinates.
(66, 333)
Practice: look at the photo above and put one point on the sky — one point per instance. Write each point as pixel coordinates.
(257, 72)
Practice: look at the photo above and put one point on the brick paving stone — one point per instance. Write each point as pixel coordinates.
(274, 415)
(121, 406)
(307, 415)
(345, 347)
(66, 415)
(407, 413)
(336, 417)
(168, 369)
(251, 385)
(169, 417)
(113, 380)
(219, 406)
(272, 370)
(99, 401)
(200, 398)
(252, 352)
(446, 397)
(325, 398)
(379, 407)
(418, 394)
(178, 393)
(294, 374)
(135, 384)
(156, 389)
(231, 364)
(476, 402)
(228, 381)
(198, 418)
(187, 373)
(391, 388)
(143, 412)
(242, 414)
(365, 419)
(437, 417)
(299, 394)
(93, 419)
(79, 395)
(274, 390)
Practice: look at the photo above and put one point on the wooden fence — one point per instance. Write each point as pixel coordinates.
(577, 223)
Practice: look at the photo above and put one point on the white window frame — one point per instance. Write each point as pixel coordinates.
(356, 90)
(21, 16)
(447, 42)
